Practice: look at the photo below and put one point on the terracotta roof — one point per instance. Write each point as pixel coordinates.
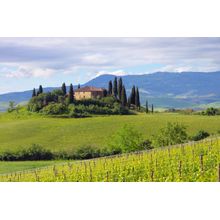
(89, 89)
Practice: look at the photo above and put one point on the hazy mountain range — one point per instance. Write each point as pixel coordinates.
(163, 89)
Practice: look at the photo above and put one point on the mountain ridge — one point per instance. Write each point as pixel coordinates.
(164, 89)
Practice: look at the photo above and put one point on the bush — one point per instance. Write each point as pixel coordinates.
(127, 139)
(35, 152)
(146, 145)
(200, 135)
(54, 109)
(86, 152)
(173, 133)
(211, 111)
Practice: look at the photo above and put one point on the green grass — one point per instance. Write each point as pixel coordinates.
(191, 162)
(63, 134)
(10, 167)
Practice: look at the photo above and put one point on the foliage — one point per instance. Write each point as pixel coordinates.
(211, 111)
(189, 163)
(11, 106)
(25, 128)
(54, 109)
(200, 135)
(35, 152)
(127, 139)
(173, 133)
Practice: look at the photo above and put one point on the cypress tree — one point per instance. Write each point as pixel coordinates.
(137, 99)
(123, 97)
(64, 88)
(40, 89)
(71, 94)
(115, 88)
(120, 88)
(34, 92)
(78, 86)
(110, 87)
(105, 93)
(152, 108)
(129, 102)
(147, 109)
(133, 95)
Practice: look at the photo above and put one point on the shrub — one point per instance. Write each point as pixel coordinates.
(173, 133)
(127, 139)
(86, 152)
(35, 152)
(146, 145)
(200, 135)
(54, 109)
(211, 111)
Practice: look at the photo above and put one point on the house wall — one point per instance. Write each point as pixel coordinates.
(87, 95)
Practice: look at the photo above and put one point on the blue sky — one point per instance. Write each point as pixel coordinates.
(27, 62)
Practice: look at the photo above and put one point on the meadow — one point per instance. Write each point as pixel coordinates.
(196, 162)
(18, 131)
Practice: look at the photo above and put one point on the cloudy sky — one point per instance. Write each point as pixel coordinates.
(27, 62)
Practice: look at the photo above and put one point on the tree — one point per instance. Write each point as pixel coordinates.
(129, 102)
(71, 94)
(120, 84)
(115, 88)
(105, 92)
(137, 99)
(34, 92)
(133, 95)
(127, 139)
(152, 108)
(123, 97)
(64, 88)
(40, 91)
(11, 106)
(78, 86)
(147, 109)
(173, 133)
(110, 87)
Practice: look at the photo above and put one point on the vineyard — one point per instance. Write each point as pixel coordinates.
(192, 162)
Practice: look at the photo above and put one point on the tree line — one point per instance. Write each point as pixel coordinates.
(115, 89)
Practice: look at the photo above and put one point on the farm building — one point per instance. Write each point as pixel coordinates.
(88, 92)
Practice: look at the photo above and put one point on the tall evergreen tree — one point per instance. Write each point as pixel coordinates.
(120, 84)
(34, 92)
(123, 97)
(129, 102)
(105, 93)
(40, 89)
(147, 108)
(110, 87)
(137, 99)
(133, 95)
(71, 94)
(78, 86)
(64, 88)
(115, 88)
(152, 108)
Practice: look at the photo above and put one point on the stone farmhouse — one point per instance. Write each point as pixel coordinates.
(88, 92)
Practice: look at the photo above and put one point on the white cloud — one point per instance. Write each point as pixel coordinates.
(30, 72)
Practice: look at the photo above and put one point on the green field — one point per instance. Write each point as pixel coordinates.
(65, 134)
(9, 167)
(192, 162)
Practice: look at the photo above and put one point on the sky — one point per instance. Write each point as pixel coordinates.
(25, 63)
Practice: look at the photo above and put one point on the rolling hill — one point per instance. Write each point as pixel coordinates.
(164, 89)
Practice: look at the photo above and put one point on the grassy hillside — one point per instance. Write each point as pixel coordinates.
(190, 162)
(65, 134)
(9, 167)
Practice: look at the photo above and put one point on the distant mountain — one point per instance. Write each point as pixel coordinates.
(163, 89)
